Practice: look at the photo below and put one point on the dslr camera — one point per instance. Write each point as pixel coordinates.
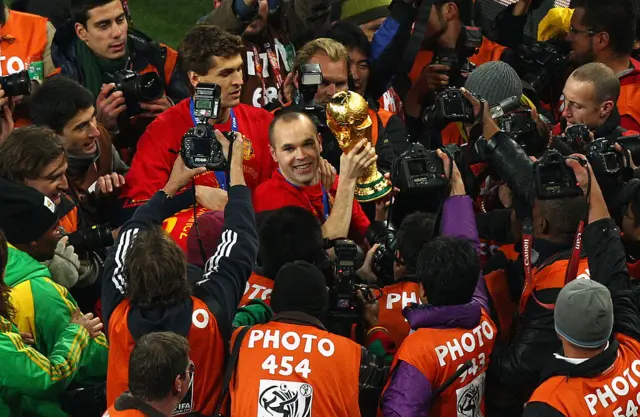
(553, 178)
(458, 59)
(310, 80)
(541, 65)
(604, 158)
(383, 233)
(419, 169)
(632, 145)
(450, 106)
(200, 148)
(91, 239)
(575, 140)
(343, 298)
(17, 84)
(137, 88)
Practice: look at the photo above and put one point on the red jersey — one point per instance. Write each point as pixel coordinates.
(277, 192)
(159, 146)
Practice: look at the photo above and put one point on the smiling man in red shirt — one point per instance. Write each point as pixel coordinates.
(208, 55)
(303, 179)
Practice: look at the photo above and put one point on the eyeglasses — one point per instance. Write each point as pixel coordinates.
(192, 368)
(588, 32)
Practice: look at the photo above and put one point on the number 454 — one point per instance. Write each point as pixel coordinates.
(286, 367)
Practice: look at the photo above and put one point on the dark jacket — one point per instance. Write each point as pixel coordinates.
(144, 52)
(607, 263)
(301, 20)
(409, 392)
(220, 289)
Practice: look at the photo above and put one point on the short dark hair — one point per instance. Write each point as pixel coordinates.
(57, 101)
(290, 234)
(562, 214)
(27, 151)
(156, 270)
(80, 9)
(606, 84)
(202, 43)
(448, 269)
(350, 35)
(616, 17)
(288, 117)
(6, 309)
(414, 232)
(156, 360)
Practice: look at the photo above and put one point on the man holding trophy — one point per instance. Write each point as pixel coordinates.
(304, 179)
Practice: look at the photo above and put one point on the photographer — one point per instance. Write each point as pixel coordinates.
(363, 80)
(304, 179)
(145, 288)
(298, 234)
(597, 323)
(605, 32)
(590, 96)
(446, 35)
(95, 170)
(333, 59)
(209, 55)
(454, 297)
(43, 308)
(294, 353)
(269, 29)
(35, 156)
(160, 375)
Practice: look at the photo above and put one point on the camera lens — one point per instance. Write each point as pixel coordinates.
(200, 131)
(17, 84)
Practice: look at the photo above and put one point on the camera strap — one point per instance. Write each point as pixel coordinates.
(527, 248)
(221, 176)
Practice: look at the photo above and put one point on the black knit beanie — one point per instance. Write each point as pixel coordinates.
(25, 213)
(300, 286)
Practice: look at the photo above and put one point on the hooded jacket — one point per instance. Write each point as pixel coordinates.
(44, 309)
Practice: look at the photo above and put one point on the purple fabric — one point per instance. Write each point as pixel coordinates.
(459, 220)
(465, 316)
(408, 393)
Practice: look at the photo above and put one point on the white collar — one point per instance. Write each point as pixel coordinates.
(575, 361)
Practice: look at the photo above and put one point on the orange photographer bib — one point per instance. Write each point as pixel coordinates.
(295, 370)
(394, 299)
(257, 287)
(23, 41)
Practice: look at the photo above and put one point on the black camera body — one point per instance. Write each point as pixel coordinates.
(138, 88)
(419, 169)
(553, 178)
(450, 106)
(91, 239)
(383, 234)
(604, 158)
(200, 148)
(309, 80)
(343, 299)
(632, 144)
(542, 64)
(17, 84)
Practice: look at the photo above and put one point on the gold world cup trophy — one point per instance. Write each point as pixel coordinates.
(348, 118)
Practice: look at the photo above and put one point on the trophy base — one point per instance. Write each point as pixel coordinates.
(374, 189)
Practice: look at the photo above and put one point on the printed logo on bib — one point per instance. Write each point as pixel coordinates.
(469, 398)
(258, 291)
(284, 399)
(186, 405)
(12, 65)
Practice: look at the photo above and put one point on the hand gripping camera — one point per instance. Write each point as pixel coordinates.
(553, 178)
(200, 148)
(419, 169)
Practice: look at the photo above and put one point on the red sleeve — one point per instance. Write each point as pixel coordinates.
(629, 123)
(359, 223)
(151, 165)
(270, 197)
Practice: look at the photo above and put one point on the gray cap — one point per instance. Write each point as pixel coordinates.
(584, 313)
(494, 81)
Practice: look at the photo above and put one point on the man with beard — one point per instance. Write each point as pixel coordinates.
(605, 32)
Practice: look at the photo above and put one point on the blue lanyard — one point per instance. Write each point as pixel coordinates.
(325, 199)
(221, 176)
